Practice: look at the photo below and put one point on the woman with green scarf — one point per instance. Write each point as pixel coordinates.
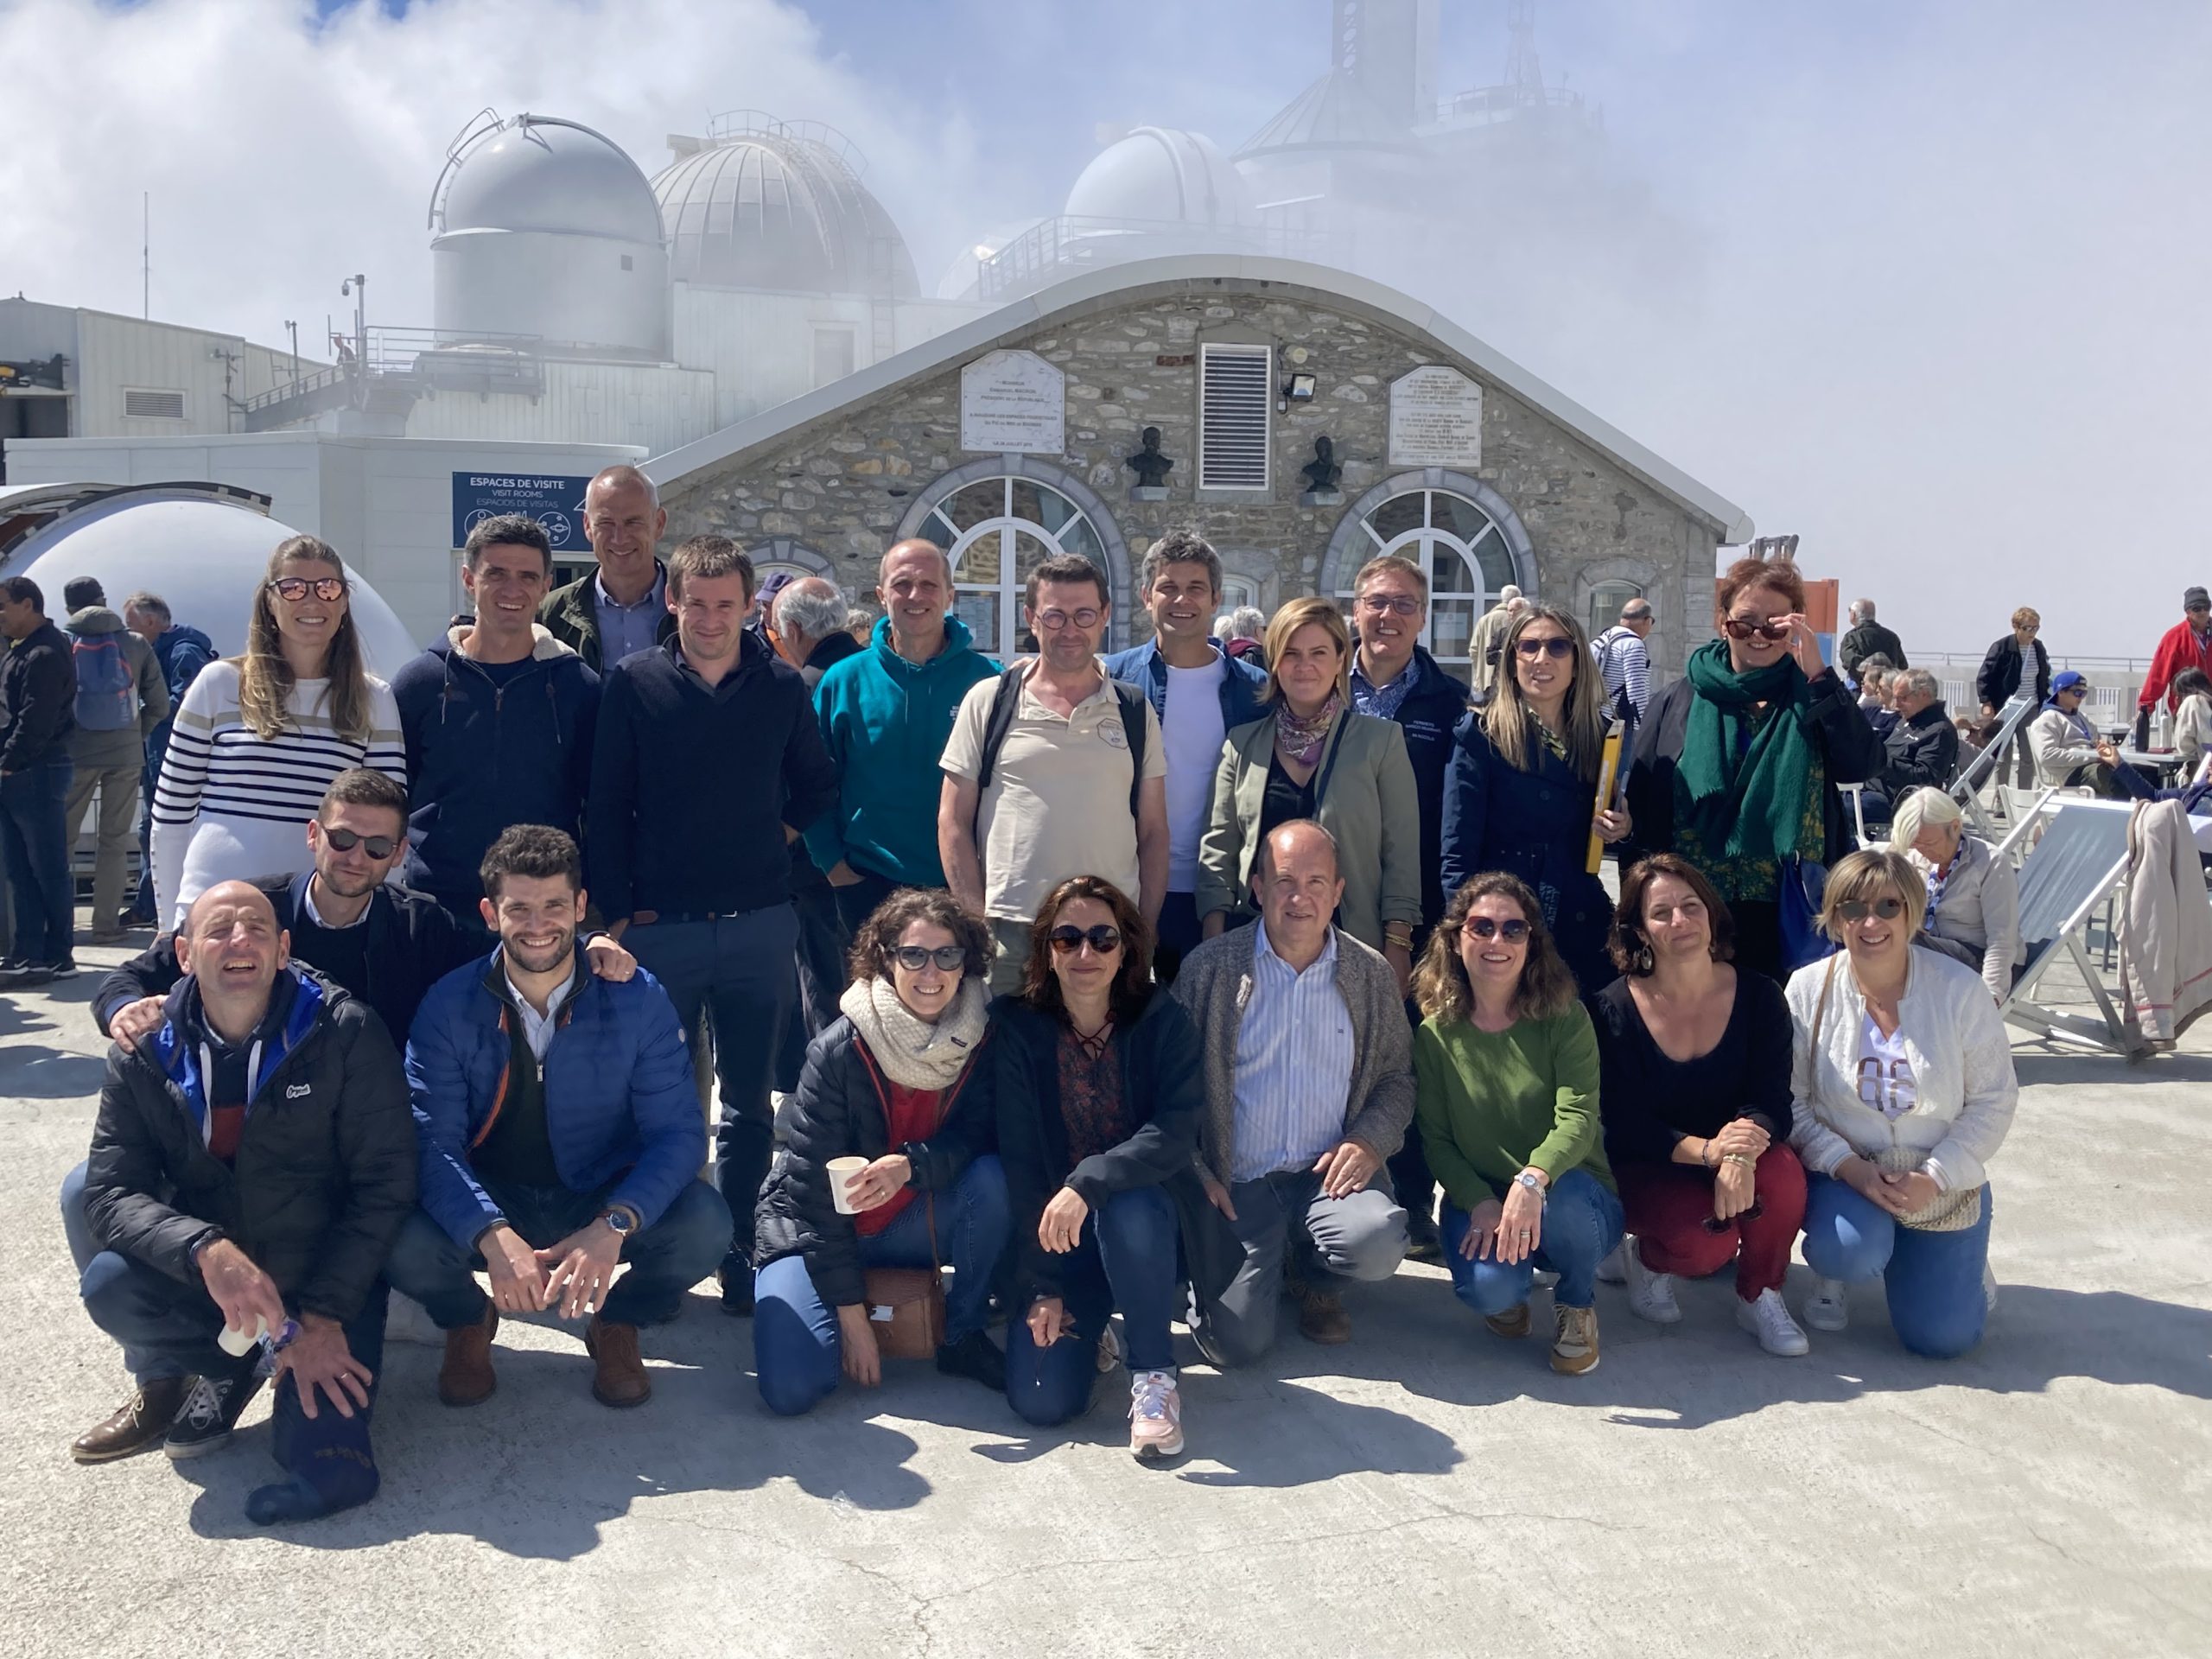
(1736, 763)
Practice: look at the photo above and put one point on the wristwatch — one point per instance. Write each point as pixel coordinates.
(620, 1222)
(1534, 1180)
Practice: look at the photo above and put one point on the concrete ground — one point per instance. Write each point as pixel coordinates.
(1428, 1489)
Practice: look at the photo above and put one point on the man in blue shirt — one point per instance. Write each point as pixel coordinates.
(622, 607)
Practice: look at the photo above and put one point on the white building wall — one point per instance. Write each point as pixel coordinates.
(655, 405)
(111, 354)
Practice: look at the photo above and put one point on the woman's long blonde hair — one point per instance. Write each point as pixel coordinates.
(265, 677)
(1507, 719)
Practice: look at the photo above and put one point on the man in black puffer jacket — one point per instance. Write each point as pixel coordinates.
(251, 1164)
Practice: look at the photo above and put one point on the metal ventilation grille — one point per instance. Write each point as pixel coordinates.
(154, 405)
(1233, 397)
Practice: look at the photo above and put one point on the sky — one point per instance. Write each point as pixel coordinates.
(1921, 280)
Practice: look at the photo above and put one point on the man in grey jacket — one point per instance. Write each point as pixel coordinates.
(1309, 1089)
(122, 696)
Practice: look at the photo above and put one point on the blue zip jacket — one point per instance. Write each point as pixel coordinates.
(885, 721)
(620, 1103)
(1144, 667)
(482, 757)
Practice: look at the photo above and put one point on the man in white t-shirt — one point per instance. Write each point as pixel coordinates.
(1200, 694)
(1062, 780)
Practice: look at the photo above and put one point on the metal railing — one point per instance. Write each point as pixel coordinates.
(1055, 246)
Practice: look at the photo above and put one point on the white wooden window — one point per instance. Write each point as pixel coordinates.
(1462, 552)
(154, 405)
(996, 531)
(1235, 394)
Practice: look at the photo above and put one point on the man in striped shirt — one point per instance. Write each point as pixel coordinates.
(1624, 660)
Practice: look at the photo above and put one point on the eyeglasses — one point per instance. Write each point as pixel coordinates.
(1743, 627)
(297, 588)
(948, 958)
(1554, 648)
(1086, 618)
(1397, 604)
(1858, 910)
(1485, 927)
(345, 841)
(1103, 939)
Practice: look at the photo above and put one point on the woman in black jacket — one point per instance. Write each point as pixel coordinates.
(2016, 663)
(899, 1079)
(1099, 1094)
(1521, 796)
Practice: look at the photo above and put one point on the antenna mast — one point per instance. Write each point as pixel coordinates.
(146, 255)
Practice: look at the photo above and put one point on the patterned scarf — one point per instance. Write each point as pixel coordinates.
(913, 1053)
(1298, 741)
(1383, 702)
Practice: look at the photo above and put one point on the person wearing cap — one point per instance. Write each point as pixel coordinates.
(2187, 644)
(2064, 743)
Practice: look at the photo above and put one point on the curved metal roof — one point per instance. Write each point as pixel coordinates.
(540, 173)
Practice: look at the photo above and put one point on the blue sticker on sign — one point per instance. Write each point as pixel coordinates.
(556, 501)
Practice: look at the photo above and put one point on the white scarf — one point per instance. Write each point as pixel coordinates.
(916, 1055)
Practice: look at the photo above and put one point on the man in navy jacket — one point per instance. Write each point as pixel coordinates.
(559, 1134)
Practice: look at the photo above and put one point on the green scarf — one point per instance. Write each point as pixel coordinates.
(1751, 808)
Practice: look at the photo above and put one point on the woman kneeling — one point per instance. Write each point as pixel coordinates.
(1505, 1068)
(899, 1080)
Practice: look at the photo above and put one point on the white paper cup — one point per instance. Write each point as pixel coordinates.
(841, 1171)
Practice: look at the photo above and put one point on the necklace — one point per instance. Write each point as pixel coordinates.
(1092, 1043)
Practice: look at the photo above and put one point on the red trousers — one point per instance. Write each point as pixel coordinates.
(1669, 1205)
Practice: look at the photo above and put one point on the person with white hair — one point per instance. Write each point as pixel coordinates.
(1489, 632)
(1867, 638)
(1973, 898)
(1241, 631)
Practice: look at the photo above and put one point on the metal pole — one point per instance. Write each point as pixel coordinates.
(293, 329)
(146, 255)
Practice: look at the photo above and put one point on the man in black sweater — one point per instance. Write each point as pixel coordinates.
(38, 714)
(708, 763)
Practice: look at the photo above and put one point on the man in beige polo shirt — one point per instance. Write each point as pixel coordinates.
(1058, 799)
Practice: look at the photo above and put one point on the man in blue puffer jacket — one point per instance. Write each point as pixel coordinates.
(560, 1134)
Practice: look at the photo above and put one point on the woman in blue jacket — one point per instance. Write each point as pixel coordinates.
(1523, 792)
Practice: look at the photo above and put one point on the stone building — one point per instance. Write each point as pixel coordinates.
(1010, 438)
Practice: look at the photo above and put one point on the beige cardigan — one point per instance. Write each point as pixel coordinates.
(1371, 807)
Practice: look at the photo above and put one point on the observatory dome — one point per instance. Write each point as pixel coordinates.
(544, 227)
(767, 204)
(1162, 175)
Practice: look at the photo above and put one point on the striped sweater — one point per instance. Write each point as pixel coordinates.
(229, 806)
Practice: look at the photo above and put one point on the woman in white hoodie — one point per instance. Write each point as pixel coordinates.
(1903, 1088)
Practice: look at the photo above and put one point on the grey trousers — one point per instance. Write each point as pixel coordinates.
(1361, 1237)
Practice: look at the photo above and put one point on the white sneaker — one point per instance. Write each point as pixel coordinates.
(1988, 1288)
(1768, 1319)
(1828, 1307)
(1651, 1294)
(1155, 1416)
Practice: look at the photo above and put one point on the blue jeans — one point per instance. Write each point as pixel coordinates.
(796, 1345)
(1582, 1223)
(1933, 1280)
(34, 847)
(1125, 1259)
(660, 1262)
(1179, 933)
(740, 974)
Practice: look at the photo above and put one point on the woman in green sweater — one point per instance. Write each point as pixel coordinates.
(1506, 1065)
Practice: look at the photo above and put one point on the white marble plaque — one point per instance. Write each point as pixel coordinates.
(1013, 403)
(1436, 419)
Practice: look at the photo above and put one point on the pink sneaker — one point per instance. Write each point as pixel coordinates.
(1155, 1416)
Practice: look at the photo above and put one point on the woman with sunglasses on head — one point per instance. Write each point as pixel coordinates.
(1099, 1086)
(1693, 1063)
(1521, 796)
(259, 738)
(1737, 762)
(1505, 1070)
(1313, 756)
(1903, 1089)
(900, 1078)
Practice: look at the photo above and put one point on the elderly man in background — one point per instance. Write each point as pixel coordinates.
(621, 608)
(1921, 747)
(1867, 638)
(1489, 635)
(182, 651)
(122, 699)
(1625, 661)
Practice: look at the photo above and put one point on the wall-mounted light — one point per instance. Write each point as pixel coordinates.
(1300, 388)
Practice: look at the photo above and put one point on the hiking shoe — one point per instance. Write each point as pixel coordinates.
(467, 1378)
(1575, 1347)
(1109, 1351)
(141, 1420)
(1322, 1316)
(1768, 1319)
(1613, 1270)
(1828, 1307)
(975, 1357)
(1513, 1322)
(1651, 1295)
(618, 1378)
(212, 1409)
(737, 1292)
(22, 976)
(1155, 1416)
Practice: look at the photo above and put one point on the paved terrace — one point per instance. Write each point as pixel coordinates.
(1426, 1489)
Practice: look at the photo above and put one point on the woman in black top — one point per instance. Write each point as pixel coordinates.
(1694, 1065)
(1100, 1086)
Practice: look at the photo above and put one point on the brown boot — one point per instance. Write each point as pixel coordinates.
(620, 1378)
(467, 1377)
(1322, 1316)
(143, 1420)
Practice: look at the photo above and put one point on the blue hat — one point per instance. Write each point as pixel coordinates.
(2067, 680)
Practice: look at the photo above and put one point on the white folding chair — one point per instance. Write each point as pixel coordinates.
(2071, 873)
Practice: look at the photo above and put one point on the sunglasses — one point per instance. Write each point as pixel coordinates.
(1744, 628)
(1103, 939)
(1055, 621)
(1714, 1224)
(297, 588)
(948, 958)
(1484, 927)
(1858, 910)
(1553, 648)
(345, 841)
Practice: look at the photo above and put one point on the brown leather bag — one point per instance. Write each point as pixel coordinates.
(905, 1309)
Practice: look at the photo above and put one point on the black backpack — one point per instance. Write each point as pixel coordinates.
(1007, 700)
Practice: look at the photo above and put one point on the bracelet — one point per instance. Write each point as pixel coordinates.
(1707, 1157)
(1398, 933)
(1738, 1159)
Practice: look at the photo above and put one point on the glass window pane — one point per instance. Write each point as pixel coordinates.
(1450, 628)
(1497, 562)
(1460, 516)
(979, 564)
(1606, 601)
(938, 528)
(1053, 509)
(980, 612)
(976, 504)
(1448, 569)
(1077, 536)
(1030, 550)
(1026, 499)
(1396, 515)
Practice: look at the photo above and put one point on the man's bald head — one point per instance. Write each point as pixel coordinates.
(914, 547)
(227, 895)
(915, 584)
(231, 946)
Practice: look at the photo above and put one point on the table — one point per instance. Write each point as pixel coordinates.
(2162, 763)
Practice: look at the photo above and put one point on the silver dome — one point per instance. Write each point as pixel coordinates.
(1162, 175)
(538, 173)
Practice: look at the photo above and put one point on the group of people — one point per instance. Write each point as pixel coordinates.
(1166, 984)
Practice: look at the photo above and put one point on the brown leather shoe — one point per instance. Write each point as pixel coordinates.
(142, 1421)
(621, 1377)
(1322, 1316)
(1513, 1322)
(467, 1377)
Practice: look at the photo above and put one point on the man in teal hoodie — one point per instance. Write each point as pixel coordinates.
(886, 714)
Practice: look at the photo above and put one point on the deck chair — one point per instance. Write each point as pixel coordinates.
(2072, 873)
(1965, 788)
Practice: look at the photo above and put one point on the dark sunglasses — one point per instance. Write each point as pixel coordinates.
(1714, 1224)
(1858, 910)
(345, 841)
(949, 958)
(1104, 939)
(1553, 648)
(1740, 628)
(297, 588)
(1485, 927)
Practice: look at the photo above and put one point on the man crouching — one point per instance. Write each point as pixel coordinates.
(252, 1162)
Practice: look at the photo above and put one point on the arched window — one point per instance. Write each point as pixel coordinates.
(996, 531)
(1237, 590)
(1606, 601)
(1459, 548)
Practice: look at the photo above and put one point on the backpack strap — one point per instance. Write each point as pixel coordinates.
(1006, 702)
(1132, 700)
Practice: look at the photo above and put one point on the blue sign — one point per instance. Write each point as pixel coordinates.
(555, 502)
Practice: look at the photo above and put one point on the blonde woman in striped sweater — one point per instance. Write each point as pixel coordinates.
(260, 737)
